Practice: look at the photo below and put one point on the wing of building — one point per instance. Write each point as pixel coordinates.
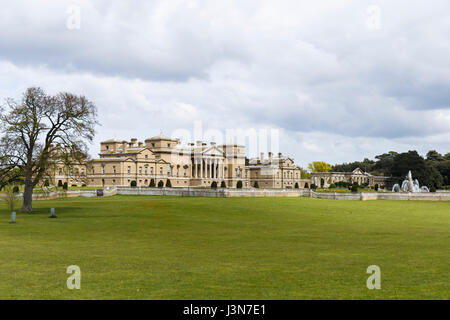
(324, 179)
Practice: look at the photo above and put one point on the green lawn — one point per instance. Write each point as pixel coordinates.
(141, 247)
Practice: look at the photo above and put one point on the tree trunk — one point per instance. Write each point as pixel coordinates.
(27, 198)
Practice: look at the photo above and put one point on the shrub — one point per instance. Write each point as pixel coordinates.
(84, 185)
(256, 185)
(74, 185)
(306, 185)
(332, 186)
(65, 186)
(313, 186)
(223, 185)
(133, 184)
(152, 183)
(433, 189)
(11, 197)
(15, 189)
(239, 184)
(160, 184)
(60, 183)
(214, 185)
(296, 185)
(354, 187)
(168, 183)
(376, 187)
(46, 183)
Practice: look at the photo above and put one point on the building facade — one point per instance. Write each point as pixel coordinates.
(325, 179)
(275, 172)
(163, 159)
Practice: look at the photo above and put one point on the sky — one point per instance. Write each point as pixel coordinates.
(335, 81)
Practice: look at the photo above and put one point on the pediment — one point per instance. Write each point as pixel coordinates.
(213, 151)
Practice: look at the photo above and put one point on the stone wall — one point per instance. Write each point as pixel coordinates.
(229, 193)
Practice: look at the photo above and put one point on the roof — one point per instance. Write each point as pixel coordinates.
(159, 137)
(112, 140)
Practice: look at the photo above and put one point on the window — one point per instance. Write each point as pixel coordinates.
(256, 174)
(60, 171)
(185, 172)
(140, 170)
(153, 145)
(103, 170)
(107, 147)
(129, 169)
(146, 156)
(168, 170)
(160, 170)
(146, 171)
(93, 171)
(114, 169)
(168, 145)
(151, 170)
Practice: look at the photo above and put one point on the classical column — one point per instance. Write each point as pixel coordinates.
(209, 168)
(201, 168)
(223, 169)
(195, 168)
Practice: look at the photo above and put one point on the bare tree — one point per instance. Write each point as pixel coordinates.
(37, 122)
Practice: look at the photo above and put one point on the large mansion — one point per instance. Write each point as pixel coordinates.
(162, 159)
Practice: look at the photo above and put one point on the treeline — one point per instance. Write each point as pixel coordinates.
(431, 171)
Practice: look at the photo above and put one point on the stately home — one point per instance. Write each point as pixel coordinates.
(162, 159)
(325, 179)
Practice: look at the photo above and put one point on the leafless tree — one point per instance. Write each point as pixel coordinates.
(33, 125)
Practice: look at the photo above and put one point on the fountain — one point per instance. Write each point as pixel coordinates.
(408, 185)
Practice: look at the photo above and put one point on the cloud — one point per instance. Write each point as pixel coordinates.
(337, 89)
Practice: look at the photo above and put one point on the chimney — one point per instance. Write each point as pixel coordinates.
(133, 141)
(115, 147)
(140, 144)
(213, 144)
(270, 156)
(199, 143)
(261, 157)
(124, 146)
(279, 155)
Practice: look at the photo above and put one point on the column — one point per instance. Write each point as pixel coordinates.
(223, 169)
(196, 168)
(201, 168)
(216, 169)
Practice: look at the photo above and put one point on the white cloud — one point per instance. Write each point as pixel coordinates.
(338, 90)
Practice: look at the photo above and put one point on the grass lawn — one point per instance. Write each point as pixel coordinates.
(142, 247)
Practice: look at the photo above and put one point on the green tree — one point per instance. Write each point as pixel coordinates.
(223, 184)
(256, 185)
(319, 166)
(239, 184)
(422, 170)
(152, 183)
(34, 124)
(168, 183)
(214, 185)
